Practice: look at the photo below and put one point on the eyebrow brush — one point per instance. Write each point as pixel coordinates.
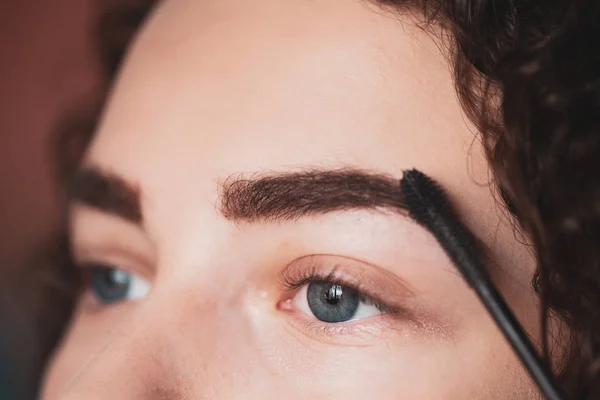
(427, 204)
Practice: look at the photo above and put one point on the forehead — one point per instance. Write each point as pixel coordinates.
(212, 89)
(323, 78)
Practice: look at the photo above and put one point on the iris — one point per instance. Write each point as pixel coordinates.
(331, 302)
(110, 284)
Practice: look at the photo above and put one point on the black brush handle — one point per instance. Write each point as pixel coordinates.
(428, 205)
(451, 236)
(518, 339)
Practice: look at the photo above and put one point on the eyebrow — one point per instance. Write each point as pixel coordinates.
(264, 198)
(106, 192)
(290, 196)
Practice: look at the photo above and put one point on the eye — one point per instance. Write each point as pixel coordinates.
(335, 303)
(110, 284)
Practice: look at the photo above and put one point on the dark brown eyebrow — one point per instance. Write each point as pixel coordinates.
(283, 196)
(289, 196)
(106, 192)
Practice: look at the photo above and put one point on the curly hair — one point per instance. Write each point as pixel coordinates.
(547, 157)
(540, 62)
(527, 74)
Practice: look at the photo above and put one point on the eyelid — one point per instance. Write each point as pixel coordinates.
(99, 256)
(95, 236)
(371, 281)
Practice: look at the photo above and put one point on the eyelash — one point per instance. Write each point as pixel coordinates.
(294, 281)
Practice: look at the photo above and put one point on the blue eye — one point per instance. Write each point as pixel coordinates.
(110, 285)
(335, 303)
(330, 302)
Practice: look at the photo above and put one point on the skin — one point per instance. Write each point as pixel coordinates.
(221, 89)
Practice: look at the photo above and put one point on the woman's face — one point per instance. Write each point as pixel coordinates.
(237, 224)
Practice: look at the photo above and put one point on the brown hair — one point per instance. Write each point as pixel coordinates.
(528, 75)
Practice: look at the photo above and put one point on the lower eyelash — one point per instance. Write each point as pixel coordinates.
(350, 333)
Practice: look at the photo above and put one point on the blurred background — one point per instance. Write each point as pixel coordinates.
(52, 73)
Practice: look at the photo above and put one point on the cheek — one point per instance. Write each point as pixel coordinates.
(84, 337)
(61, 368)
(267, 358)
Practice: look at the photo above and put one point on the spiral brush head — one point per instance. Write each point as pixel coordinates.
(423, 198)
(428, 205)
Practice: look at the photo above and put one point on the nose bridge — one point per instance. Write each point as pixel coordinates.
(168, 348)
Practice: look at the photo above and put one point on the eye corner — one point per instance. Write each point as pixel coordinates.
(286, 305)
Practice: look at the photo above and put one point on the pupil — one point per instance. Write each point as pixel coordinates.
(334, 294)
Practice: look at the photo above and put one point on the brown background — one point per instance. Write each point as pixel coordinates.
(47, 66)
